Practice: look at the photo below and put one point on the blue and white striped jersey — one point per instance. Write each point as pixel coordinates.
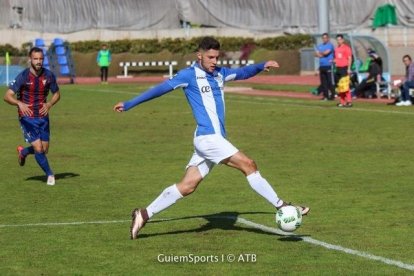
(204, 93)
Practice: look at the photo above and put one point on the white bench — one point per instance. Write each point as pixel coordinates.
(384, 86)
(126, 65)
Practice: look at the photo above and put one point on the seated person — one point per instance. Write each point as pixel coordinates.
(407, 83)
(367, 87)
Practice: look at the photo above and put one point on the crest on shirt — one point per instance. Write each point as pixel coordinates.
(218, 78)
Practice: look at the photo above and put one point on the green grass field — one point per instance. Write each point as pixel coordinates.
(352, 166)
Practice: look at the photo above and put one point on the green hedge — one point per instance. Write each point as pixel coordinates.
(290, 42)
(185, 46)
(9, 48)
(178, 45)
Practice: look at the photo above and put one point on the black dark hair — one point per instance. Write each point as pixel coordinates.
(407, 56)
(340, 35)
(208, 43)
(378, 60)
(35, 50)
(325, 34)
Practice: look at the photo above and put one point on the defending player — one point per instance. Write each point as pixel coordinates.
(203, 86)
(29, 93)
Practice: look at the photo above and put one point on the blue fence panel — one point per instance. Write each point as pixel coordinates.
(14, 70)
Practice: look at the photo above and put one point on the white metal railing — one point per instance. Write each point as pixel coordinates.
(126, 65)
(171, 64)
(229, 62)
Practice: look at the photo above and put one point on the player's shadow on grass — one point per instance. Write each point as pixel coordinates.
(222, 221)
(58, 176)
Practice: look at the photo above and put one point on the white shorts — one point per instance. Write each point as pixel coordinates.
(210, 150)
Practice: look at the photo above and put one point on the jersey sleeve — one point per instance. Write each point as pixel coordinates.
(349, 51)
(150, 94)
(178, 80)
(17, 83)
(181, 79)
(54, 87)
(242, 73)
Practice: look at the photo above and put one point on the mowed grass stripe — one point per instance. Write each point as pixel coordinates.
(271, 101)
(247, 223)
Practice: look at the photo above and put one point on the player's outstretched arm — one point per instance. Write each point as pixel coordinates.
(154, 92)
(249, 71)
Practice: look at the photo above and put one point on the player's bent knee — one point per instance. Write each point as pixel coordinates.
(38, 149)
(252, 165)
(186, 188)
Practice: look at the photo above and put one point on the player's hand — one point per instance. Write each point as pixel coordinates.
(45, 109)
(25, 109)
(270, 64)
(119, 107)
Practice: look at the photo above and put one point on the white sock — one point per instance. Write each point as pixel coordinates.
(263, 188)
(167, 198)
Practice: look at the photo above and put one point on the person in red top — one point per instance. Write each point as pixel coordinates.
(29, 93)
(343, 62)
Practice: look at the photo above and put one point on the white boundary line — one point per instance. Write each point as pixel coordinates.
(269, 100)
(299, 103)
(328, 245)
(247, 223)
(62, 223)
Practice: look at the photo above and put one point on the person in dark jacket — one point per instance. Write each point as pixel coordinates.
(367, 87)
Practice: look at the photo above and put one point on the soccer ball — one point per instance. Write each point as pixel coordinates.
(288, 218)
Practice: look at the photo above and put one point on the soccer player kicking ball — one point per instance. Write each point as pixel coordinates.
(29, 93)
(203, 85)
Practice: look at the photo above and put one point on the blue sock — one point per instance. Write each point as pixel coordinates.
(27, 151)
(43, 163)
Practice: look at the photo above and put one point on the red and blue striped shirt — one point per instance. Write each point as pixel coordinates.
(33, 90)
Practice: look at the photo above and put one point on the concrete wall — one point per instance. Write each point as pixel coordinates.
(396, 53)
(17, 37)
(390, 36)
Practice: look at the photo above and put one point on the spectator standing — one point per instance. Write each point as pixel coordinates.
(325, 53)
(104, 60)
(343, 62)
